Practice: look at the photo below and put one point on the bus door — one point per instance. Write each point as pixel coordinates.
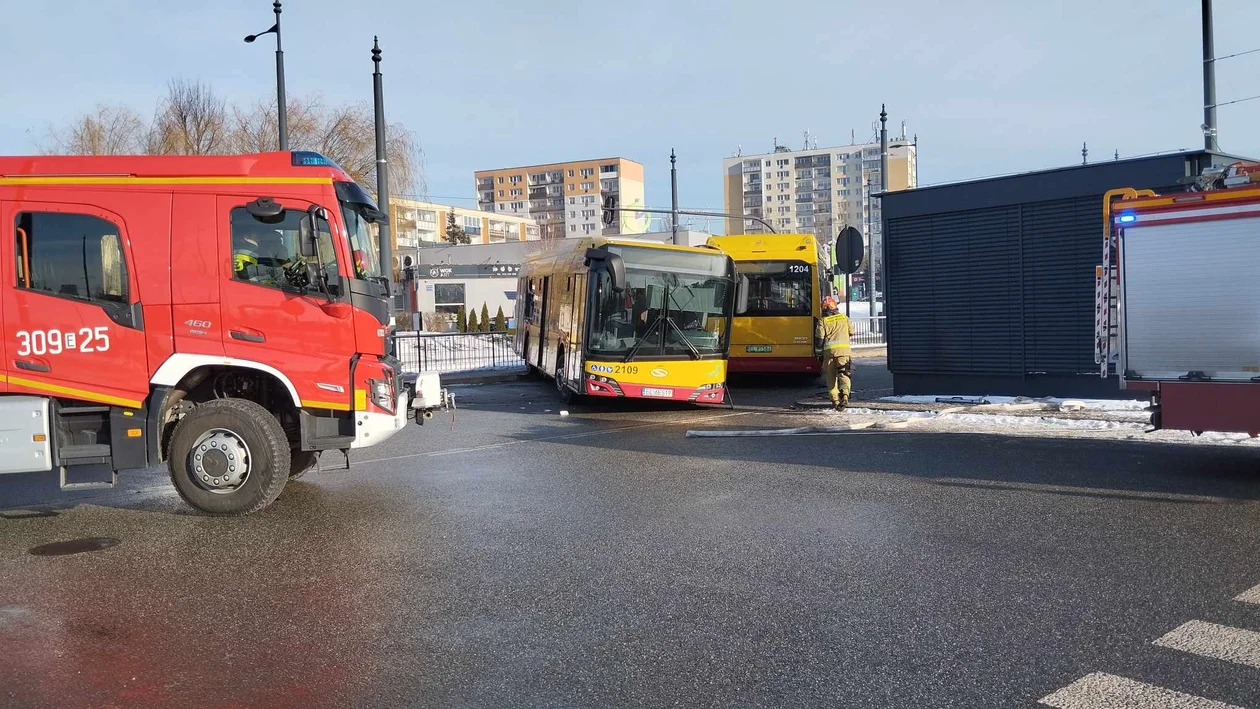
(544, 327)
(577, 330)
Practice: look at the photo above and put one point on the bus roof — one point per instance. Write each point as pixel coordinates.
(565, 250)
(748, 247)
(277, 164)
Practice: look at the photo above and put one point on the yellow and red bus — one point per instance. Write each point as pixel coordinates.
(625, 318)
(785, 277)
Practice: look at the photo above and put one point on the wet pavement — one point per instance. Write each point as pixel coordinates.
(524, 558)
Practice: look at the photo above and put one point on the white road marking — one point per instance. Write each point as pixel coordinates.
(1216, 641)
(1249, 596)
(1103, 691)
(561, 437)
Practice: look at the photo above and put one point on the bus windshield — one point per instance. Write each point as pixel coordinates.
(675, 304)
(778, 288)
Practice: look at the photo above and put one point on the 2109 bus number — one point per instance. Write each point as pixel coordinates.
(615, 368)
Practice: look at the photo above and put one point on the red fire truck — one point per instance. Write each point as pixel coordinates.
(225, 314)
(1178, 300)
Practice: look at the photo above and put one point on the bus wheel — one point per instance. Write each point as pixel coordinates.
(229, 457)
(562, 384)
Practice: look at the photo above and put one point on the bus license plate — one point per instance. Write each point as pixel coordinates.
(662, 393)
(759, 348)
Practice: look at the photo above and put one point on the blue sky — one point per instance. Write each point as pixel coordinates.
(989, 87)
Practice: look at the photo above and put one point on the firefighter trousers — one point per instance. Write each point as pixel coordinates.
(836, 369)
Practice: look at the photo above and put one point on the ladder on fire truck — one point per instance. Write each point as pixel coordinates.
(1107, 276)
(1107, 287)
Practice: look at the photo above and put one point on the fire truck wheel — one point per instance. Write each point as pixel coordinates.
(229, 457)
(303, 463)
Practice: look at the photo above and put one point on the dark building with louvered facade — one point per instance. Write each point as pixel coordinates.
(990, 283)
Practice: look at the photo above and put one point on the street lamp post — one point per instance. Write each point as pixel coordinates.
(382, 167)
(282, 118)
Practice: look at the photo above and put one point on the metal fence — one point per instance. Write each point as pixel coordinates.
(453, 352)
(870, 332)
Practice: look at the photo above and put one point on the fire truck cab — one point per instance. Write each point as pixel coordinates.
(225, 314)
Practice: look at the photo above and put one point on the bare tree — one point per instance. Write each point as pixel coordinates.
(255, 128)
(191, 120)
(345, 134)
(111, 130)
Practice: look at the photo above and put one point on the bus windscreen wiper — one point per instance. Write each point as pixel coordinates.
(651, 328)
(695, 353)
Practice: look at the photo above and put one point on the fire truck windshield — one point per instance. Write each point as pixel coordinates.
(358, 210)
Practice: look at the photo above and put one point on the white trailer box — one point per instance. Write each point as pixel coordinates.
(1190, 294)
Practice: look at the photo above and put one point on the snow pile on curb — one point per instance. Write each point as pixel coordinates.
(1049, 401)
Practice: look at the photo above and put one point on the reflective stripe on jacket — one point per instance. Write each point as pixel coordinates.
(833, 333)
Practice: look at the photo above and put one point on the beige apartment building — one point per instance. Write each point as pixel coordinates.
(567, 199)
(417, 224)
(817, 190)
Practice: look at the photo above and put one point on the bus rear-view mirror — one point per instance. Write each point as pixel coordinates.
(741, 294)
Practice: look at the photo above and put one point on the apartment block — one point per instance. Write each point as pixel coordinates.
(417, 224)
(566, 199)
(816, 190)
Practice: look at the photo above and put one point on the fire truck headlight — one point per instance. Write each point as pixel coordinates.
(383, 394)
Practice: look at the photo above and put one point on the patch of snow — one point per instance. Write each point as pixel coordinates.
(1056, 402)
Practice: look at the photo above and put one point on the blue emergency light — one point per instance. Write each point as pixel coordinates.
(1128, 218)
(310, 158)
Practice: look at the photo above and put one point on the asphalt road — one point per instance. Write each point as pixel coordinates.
(523, 558)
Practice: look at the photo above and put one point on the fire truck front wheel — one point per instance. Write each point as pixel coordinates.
(229, 457)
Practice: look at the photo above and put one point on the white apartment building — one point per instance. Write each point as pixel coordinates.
(816, 191)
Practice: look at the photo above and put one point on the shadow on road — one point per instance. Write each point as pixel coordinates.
(1061, 466)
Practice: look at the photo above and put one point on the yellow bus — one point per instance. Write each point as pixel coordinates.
(786, 278)
(626, 318)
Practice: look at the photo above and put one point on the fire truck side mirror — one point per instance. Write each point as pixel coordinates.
(741, 294)
(307, 245)
(266, 210)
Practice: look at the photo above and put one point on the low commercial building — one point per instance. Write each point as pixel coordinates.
(990, 283)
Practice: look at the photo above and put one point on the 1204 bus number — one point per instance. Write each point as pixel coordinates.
(41, 342)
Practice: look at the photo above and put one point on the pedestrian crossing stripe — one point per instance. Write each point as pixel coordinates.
(1220, 642)
(1103, 691)
(1249, 596)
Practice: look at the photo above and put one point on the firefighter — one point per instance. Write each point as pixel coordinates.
(832, 338)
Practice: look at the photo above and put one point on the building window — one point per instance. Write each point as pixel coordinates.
(500, 180)
(515, 179)
(570, 173)
(588, 171)
(573, 227)
(72, 255)
(573, 200)
(500, 193)
(588, 228)
(572, 187)
(588, 185)
(607, 168)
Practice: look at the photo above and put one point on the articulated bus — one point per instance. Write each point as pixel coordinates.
(627, 318)
(786, 277)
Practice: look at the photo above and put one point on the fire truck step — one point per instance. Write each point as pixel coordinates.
(84, 454)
